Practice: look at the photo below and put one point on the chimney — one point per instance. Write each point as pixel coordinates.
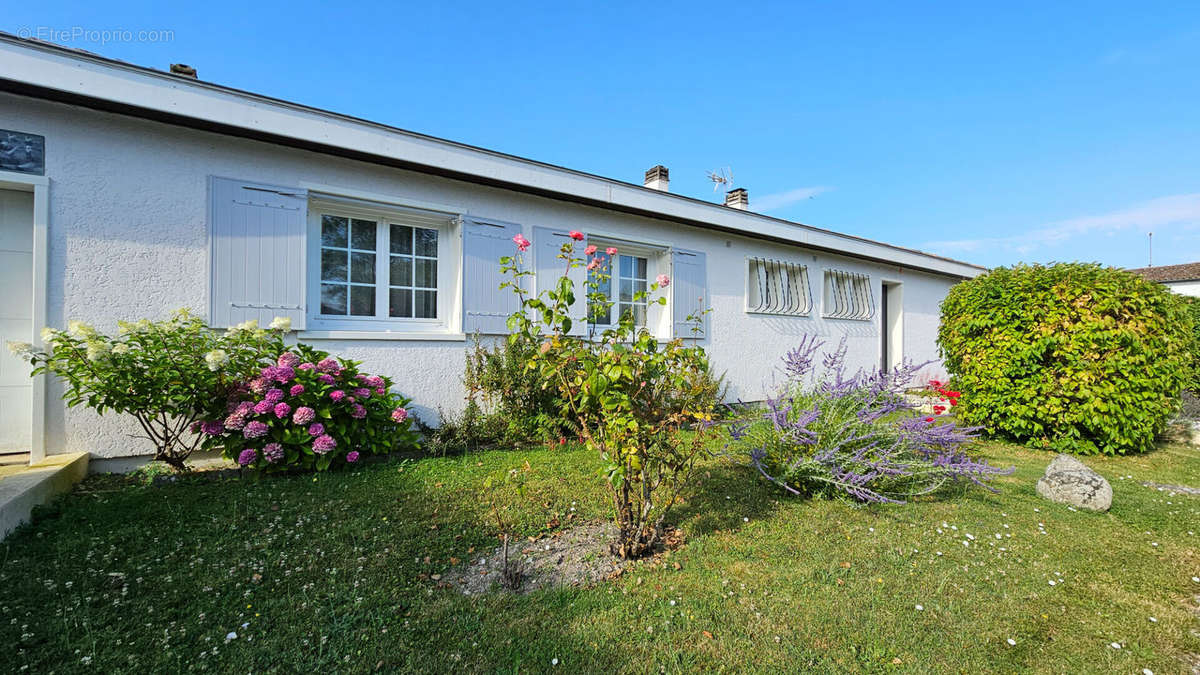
(657, 178)
(738, 198)
(183, 69)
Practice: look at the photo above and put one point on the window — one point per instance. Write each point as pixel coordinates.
(848, 296)
(628, 277)
(777, 287)
(379, 266)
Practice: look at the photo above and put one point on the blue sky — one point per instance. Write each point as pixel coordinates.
(994, 134)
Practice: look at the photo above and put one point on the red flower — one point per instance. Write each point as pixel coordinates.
(954, 401)
(928, 419)
(576, 235)
(939, 409)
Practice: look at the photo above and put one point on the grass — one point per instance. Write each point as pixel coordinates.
(331, 574)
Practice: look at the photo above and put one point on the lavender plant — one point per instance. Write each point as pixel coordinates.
(857, 435)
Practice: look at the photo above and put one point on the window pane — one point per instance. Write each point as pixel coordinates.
(426, 242)
(426, 304)
(600, 314)
(400, 303)
(333, 265)
(362, 300)
(333, 231)
(362, 234)
(401, 239)
(333, 299)
(638, 312)
(626, 291)
(362, 268)
(640, 287)
(426, 273)
(401, 271)
(626, 266)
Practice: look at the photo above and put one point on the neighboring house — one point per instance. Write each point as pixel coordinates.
(1183, 279)
(128, 192)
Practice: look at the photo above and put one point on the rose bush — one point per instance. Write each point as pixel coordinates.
(629, 395)
(309, 411)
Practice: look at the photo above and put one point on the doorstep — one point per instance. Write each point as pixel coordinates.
(37, 484)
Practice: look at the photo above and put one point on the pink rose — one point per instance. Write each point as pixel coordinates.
(576, 235)
(611, 250)
(521, 242)
(663, 280)
(590, 250)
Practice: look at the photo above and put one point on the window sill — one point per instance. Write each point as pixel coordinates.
(442, 336)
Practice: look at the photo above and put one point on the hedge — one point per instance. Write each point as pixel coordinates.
(1071, 357)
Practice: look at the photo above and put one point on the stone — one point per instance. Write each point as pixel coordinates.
(1069, 481)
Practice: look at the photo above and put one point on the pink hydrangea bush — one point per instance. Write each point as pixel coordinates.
(309, 411)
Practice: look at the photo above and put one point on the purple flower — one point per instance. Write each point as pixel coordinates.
(358, 412)
(399, 415)
(288, 359)
(247, 456)
(297, 389)
(235, 421)
(352, 456)
(323, 444)
(282, 410)
(273, 452)
(284, 374)
(255, 429)
(264, 406)
(362, 393)
(325, 378)
(379, 391)
(274, 395)
(374, 381)
(258, 385)
(306, 366)
(304, 415)
(329, 365)
(244, 408)
(316, 429)
(337, 395)
(212, 428)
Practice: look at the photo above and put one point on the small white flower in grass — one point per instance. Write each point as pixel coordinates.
(1051, 582)
(554, 662)
(672, 603)
(281, 323)
(1115, 645)
(1153, 620)
(1147, 671)
(745, 520)
(1011, 642)
(920, 608)
(230, 636)
(1196, 579)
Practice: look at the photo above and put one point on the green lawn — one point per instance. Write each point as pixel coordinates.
(329, 574)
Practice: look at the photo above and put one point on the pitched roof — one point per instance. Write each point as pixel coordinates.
(1165, 273)
(53, 72)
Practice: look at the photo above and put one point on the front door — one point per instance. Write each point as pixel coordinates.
(16, 320)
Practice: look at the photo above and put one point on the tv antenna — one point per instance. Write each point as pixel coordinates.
(721, 177)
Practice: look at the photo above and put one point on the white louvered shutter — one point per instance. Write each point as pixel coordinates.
(548, 268)
(486, 307)
(257, 240)
(689, 292)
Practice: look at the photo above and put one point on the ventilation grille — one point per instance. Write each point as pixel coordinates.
(848, 296)
(777, 287)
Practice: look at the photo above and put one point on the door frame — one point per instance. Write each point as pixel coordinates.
(40, 187)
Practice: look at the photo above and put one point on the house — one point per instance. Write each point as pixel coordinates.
(1182, 279)
(128, 192)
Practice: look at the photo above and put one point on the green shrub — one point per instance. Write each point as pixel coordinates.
(1192, 307)
(166, 374)
(1070, 357)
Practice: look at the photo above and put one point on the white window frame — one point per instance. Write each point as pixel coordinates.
(448, 263)
(657, 262)
(847, 295)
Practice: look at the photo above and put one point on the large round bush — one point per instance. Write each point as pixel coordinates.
(1071, 357)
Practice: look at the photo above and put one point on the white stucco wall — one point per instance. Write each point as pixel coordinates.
(128, 238)
(1191, 288)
